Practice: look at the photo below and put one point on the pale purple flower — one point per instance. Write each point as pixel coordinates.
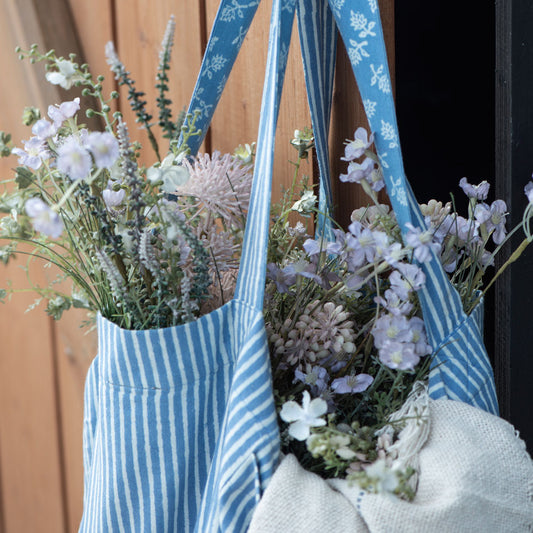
(322, 275)
(60, 113)
(478, 192)
(34, 153)
(43, 129)
(104, 148)
(418, 336)
(356, 148)
(304, 417)
(365, 242)
(43, 218)
(376, 179)
(394, 304)
(316, 377)
(282, 277)
(113, 198)
(358, 171)
(352, 384)
(398, 355)
(406, 278)
(306, 269)
(350, 249)
(390, 327)
(316, 246)
(466, 229)
(381, 244)
(73, 159)
(393, 254)
(421, 242)
(494, 219)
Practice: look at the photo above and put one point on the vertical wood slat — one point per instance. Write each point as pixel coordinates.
(41, 409)
(33, 486)
(140, 29)
(75, 347)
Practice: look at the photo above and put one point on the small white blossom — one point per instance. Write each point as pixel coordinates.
(43, 218)
(306, 203)
(304, 417)
(172, 176)
(65, 76)
(60, 113)
(104, 148)
(73, 159)
(384, 478)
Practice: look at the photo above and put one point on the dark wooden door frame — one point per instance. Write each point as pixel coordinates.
(513, 348)
(464, 86)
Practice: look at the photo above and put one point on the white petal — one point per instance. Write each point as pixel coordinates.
(291, 411)
(317, 407)
(299, 430)
(56, 78)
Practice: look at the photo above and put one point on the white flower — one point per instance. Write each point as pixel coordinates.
(305, 416)
(112, 58)
(43, 218)
(73, 159)
(66, 75)
(60, 113)
(245, 153)
(104, 147)
(306, 203)
(384, 478)
(172, 176)
(113, 198)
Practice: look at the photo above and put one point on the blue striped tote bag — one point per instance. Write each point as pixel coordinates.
(180, 429)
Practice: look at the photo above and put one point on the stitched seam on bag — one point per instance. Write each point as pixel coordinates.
(164, 389)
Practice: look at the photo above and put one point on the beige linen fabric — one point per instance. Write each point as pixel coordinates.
(474, 476)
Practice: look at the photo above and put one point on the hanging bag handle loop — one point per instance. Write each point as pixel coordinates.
(318, 43)
(460, 368)
(252, 272)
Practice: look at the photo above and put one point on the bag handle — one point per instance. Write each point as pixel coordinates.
(230, 27)
(318, 43)
(252, 272)
(461, 368)
(360, 26)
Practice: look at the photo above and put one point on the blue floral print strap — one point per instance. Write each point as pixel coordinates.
(460, 368)
(231, 25)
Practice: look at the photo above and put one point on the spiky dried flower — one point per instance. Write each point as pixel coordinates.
(220, 185)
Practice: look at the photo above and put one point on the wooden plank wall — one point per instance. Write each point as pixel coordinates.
(43, 363)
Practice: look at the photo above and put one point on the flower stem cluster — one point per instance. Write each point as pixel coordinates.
(143, 247)
(345, 327)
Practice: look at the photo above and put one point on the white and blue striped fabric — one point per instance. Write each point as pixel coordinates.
(180, 429)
